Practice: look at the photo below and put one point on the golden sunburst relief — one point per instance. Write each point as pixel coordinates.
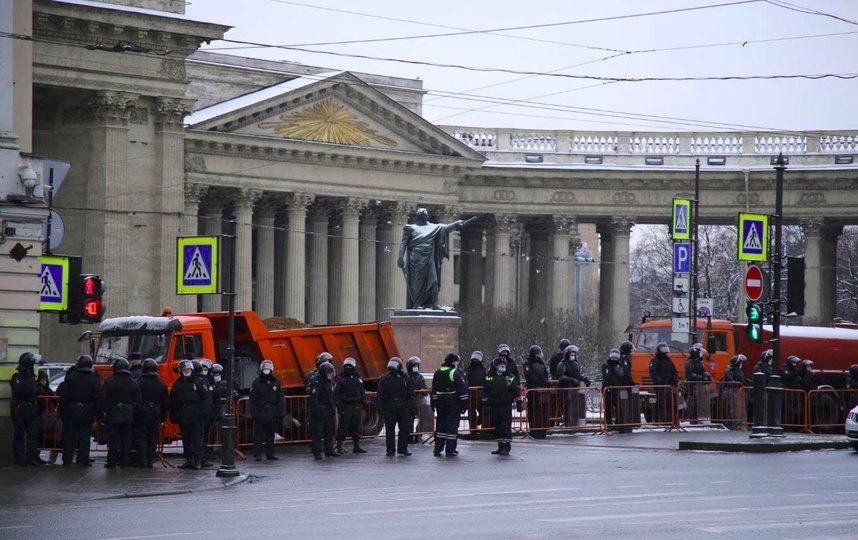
(327, 121)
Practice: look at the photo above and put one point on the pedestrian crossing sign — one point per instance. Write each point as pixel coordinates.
(197, 264)
(753, 237)
(53, 283)
(679, 228)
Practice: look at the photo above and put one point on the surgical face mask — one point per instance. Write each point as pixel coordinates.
(187, 372)
(217, 378)
(416, 369)
(205, 371)
(330, 376)
(501, 369)
(455, 364)
(266, 371)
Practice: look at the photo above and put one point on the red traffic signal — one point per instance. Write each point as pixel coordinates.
(91, 308)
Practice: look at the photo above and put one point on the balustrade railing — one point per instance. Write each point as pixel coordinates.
(748, 144)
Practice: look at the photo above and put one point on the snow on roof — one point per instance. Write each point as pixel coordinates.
(247, 100)
(128, 9)
(631, 167)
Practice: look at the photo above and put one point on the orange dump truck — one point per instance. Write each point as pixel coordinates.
(832, 350)
(168, 339)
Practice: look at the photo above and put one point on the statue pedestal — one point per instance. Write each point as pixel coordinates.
(429, 334)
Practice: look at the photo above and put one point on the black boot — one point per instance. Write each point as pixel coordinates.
(339, 449)
(356, 449)
(505, 448)
(439, 446)
(499, 449)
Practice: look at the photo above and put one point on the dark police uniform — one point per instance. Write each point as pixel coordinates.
(663, 372)
(25, 438)
(267, 409)
(536, 376)
(121, 397)
(349, 397)
(81, 401)
(500, 391)
(450, 399)
(322, 416)
(397, 401)
(154, 404)
(188, 405)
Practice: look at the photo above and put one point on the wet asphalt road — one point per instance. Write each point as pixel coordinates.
(563, 488)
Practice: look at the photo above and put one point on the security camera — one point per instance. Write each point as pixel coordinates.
(29, 179)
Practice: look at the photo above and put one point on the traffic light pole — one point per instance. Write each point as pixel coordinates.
(777, 264)
(227, 427)
(695, 286)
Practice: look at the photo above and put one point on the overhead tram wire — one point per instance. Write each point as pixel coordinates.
(809, 11)
(531, 26)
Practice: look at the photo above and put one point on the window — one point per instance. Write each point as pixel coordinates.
(188, 345)
(716, 342)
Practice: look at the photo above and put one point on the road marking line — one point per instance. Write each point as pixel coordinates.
(162, 535)
(721, 482)
(15, 527)
(519, 503)
(775, 525)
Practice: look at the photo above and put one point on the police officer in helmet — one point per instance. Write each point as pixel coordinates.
(81, 402)
(349, 397)
(397, 400)
(121, 397)
(188, 403)
(23, 406)
(536, 376)
(663, 373)
(449, 398)
(154, 404)
(267, 408)
(321, 403)
(500, 391)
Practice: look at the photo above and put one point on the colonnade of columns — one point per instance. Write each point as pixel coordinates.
(334, 261)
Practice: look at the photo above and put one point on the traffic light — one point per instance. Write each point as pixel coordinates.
(754, 311)
(90, 309)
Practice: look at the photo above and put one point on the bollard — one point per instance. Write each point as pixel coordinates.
(759, 403)
(775, 393)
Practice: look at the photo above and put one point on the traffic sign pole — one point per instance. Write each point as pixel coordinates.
(695, 288)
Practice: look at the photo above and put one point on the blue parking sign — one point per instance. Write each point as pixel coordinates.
(681, 258)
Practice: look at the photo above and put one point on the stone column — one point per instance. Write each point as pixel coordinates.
(540, 268)
(296, 258)
(446, 295)
(349, 272)
(187, 303)
(382, 267)
(561, 298)
(244, 201)
(280, 257)
(620, 310)
(820, 272)
(519, 245)
(335, 265)
(489, 264)
(211, 218)
(606, 274)
(471, 282)
(264, 291)
(317, 300)
(169, 145)
(504, 286)
(109, 250)
(398, 217)
(366, 267)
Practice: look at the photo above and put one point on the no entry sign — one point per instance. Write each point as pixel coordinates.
(754, 283)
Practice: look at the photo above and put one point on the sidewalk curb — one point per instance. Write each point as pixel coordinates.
(759, 447)
(235, 481)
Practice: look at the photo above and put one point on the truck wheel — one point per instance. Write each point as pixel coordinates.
(855, 446)
(825, 412)
(373, 422)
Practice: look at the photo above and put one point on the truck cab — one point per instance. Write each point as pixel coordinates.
(718, 337)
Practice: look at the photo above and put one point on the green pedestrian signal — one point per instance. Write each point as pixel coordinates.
(754, 312)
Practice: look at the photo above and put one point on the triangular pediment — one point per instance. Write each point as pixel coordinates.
(335, 108)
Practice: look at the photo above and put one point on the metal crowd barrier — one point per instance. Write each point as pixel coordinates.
(656, 406)
(724, 403)
(563, 410)
(826, 409)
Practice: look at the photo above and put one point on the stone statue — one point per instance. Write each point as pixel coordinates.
(424, 246)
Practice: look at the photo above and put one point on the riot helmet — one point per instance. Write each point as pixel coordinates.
(217, 369)
(206, 366)
(198, 368)
(394, 364)
(571, 351)
(614, 355)
(120, 364)
(767, 356)
(323, 357)
(414, 364)
(27, 360)
(499, 364)
(349, 363)
(84, 362)
(807, 363)
(478, 356)
(503, 348)
(626, 347)
(150, 366)
(452, 358)
(853, 370)
(564, 343)
(186, 368)
(535, 352)
(662, 348)
(266, 367)
(793, 361)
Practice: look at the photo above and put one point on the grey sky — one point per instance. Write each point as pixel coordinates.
(774, 104)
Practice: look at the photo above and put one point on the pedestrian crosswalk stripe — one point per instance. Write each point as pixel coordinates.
(197, 269)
